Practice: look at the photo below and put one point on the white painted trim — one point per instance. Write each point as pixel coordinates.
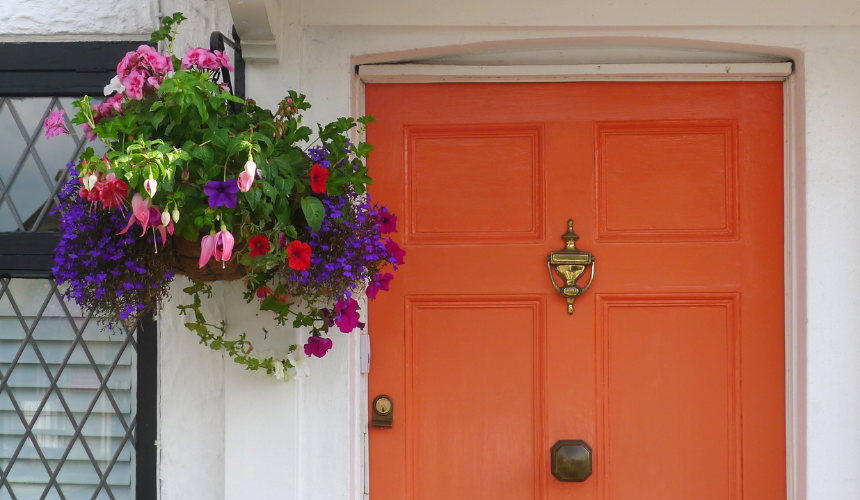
(795, 287)
(794, 194)
(429, 73)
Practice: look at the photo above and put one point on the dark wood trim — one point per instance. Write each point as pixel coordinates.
(62, 69)
(147, 409)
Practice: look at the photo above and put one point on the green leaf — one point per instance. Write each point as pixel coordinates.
(253, 197)
(282, 211)
(204, 154)
(270, 190)
(284, 186)
(314, 212)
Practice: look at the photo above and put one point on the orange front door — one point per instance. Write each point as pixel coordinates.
(671, 367)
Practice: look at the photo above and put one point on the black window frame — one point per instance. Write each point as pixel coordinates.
(69, 69)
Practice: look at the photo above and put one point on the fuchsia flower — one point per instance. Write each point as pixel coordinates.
(147, 216)
(54, 124)
(263, 292)
(224, 245)
(395, 251)
(346, 315)
(317, 346)
(245, 181)
(113, 191)
(379, 283)
(218, 245)
(387, 222)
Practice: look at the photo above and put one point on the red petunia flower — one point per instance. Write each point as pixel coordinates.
(299, 255)
(259, 245)
(319, 176)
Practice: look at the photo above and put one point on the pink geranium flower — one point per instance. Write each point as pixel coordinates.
(223, 60)
(133, 84)
(201, 58)
(55, 123)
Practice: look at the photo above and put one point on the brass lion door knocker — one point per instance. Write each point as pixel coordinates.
(570, 264)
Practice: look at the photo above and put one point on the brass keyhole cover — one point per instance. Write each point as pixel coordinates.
(383, 406)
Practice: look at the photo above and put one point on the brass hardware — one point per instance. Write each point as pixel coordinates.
(570, 264)
(571, 460)
(382, 412)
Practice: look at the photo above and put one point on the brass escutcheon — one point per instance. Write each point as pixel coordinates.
(570, 264)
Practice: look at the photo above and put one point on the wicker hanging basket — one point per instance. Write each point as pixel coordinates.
(185, 256)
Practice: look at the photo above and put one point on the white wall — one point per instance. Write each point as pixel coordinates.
(227, 434)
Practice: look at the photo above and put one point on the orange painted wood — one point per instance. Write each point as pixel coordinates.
(671, 368)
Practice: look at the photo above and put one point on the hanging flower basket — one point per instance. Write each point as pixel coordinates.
(199, 182)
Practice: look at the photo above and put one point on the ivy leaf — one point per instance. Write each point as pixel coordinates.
(314, 212)
(271, 303)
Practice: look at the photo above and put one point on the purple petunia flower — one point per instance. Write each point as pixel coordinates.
(221, 194)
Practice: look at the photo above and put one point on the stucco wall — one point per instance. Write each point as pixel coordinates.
(229, 434)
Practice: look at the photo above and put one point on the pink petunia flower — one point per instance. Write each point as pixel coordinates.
(317, 346)
(395, 251)
(381, 282)
(346, 315)
(387, 221)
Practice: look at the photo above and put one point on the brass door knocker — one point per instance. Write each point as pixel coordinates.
(570, 264)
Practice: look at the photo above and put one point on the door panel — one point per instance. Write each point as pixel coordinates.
(672, 365)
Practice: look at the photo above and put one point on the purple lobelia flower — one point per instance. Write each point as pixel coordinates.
(221, 194)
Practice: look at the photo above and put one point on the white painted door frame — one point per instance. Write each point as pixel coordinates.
(794, 209)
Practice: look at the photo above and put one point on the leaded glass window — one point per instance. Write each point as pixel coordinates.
(77, 402)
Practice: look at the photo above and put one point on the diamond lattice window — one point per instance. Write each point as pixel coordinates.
(68, 388)
(67, 399)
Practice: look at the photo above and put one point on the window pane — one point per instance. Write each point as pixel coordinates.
(31, 166)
